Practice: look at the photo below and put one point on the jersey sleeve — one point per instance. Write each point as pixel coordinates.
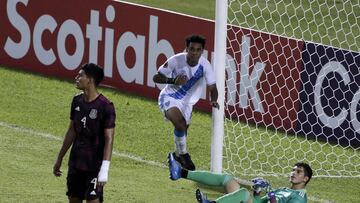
(110, 116)
(209, 74)
(258, 199)
(72, 109)
(168, 67)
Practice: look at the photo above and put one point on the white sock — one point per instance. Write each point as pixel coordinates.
(180, 145)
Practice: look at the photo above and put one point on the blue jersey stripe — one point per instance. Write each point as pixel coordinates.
(162, 101)
(189, 84)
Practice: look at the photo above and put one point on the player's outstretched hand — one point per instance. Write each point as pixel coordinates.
(215, 104)
(56, 168)
(180, 80)
(260, 184)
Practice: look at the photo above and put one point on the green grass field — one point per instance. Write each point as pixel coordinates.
(33, 105)
(34, 115)
(330, 22)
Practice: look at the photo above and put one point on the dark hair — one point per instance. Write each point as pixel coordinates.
(94, 71)
(307, 170)
(196, 38)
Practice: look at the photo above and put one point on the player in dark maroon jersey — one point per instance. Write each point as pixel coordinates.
(91, 134)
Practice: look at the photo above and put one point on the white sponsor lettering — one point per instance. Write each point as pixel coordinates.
(70, 27)
(353, 111)
(249, 81)
(334, 121)
(109, 43)
(19, 49)
(127, 41)
(135, 73)
(231, 80)
(93, 33)
(330, 121)
(155, 49)
(45, 22)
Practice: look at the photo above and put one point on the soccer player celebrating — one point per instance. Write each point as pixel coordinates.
(296, 193)
(186, 74)
(91, 134)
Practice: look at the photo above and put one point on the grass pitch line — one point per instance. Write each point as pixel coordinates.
(119, 154)
(53, 137)
(139, 159)
(29, 131)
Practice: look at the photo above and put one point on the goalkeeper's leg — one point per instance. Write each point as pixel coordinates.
(212, 179)
(207, 178)
(239, 195)
(232, 187)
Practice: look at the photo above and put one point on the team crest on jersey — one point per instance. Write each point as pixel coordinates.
(93, 114)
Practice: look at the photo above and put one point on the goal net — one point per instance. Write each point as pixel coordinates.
(292, 87)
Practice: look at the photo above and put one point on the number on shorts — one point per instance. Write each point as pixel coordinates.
(94, 181)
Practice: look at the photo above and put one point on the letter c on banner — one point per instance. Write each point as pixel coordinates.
(329, 121)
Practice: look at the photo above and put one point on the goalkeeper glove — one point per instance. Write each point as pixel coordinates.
(271, 197)
(260, 184)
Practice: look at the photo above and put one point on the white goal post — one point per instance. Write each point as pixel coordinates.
(288, 77)
(219, 62)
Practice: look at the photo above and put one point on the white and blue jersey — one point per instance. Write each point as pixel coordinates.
(198, 77)
(185, 96)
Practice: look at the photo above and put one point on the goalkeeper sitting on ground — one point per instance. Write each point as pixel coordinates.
(296, 193)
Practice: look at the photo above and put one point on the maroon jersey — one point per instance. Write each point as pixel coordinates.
(90, 119)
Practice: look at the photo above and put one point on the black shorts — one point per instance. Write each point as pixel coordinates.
(83, 185)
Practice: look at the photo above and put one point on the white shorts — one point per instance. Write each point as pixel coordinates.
(166, 102)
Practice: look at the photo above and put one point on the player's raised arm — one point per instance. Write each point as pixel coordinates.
(162, 79)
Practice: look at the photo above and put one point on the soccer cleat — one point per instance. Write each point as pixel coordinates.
(185, 161)
(174, 168)
(200, 197)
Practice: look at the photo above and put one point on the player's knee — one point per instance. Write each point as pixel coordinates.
(180, 125)
(230, 184)
(227, 178)
(179, 133)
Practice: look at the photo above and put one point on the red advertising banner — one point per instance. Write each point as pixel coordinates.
(265, 82)
(130, 41)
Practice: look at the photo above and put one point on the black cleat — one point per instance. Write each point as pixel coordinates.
(200, 197)
(185, 161)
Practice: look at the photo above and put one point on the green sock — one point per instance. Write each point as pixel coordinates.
(241, 195)
(209, 178)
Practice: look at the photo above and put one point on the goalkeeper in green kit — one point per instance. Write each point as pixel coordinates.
(296, 193)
